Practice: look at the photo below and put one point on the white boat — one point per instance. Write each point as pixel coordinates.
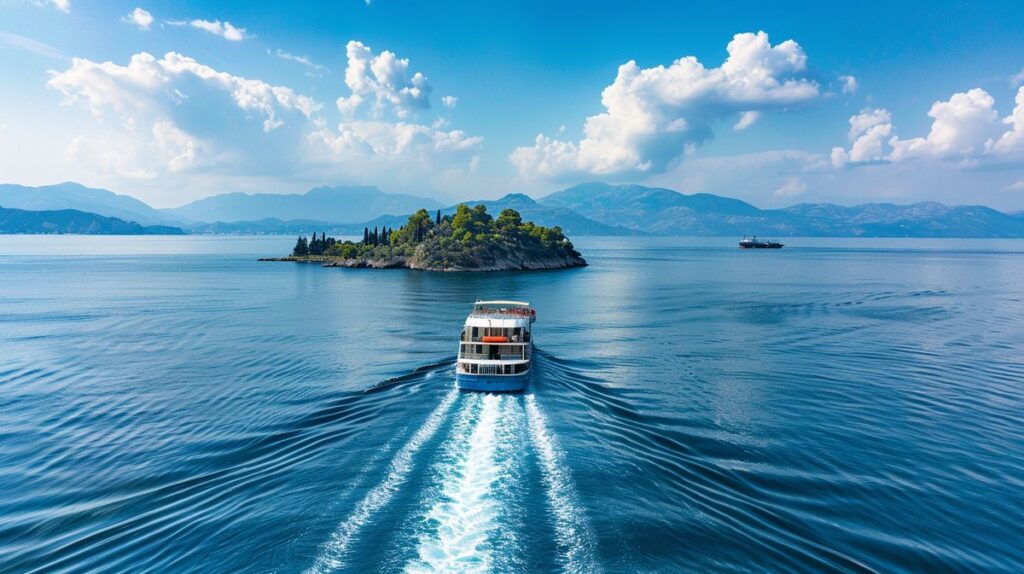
(496, 347)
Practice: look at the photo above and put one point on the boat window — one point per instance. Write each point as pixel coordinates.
(474, 332)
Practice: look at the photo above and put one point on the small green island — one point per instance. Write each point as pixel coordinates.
(468, 240)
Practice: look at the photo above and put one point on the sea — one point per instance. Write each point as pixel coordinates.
(171, 404)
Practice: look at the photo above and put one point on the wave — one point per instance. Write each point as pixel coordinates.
(333, 554)
(571, 527)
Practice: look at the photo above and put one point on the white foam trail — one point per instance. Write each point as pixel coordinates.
(466, 511)
(512, 442)
(333, 553)
(572, 531)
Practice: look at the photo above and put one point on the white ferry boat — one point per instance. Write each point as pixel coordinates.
(496, 347)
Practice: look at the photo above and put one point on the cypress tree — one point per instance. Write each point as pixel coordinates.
(366, 235)
(439, 217)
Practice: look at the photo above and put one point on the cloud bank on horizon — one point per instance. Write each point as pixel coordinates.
(191, 120)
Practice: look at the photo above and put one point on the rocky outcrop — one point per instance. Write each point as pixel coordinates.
(504, 264)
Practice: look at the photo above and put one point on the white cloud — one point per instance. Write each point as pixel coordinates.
(374, 138)
(1010, 144)
(966, 130)
(746, 120)
(62, 5)
(869, 131)
(30, 45)
(792, 187)
(654, 115)
(849, 84)
(449, 101)
(158, 118)
(1015, 186)
(961, 129)
(1017, 79)
(383, 80)
(223, 29)
(304, 60)
(140, 18)
(141, 108)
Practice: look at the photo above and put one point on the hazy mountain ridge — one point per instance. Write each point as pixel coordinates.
(74, 221)
(585, 209)
(666, 212)
(342, 204)
(71, 195)
(572, 223)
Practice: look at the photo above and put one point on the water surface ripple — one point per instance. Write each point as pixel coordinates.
(173, 405)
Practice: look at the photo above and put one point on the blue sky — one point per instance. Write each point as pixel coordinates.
(172, 101)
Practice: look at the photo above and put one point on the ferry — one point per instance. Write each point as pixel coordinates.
(496, 347)
(753, 243)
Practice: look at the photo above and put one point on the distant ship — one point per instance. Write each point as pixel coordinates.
(753, 243)
(496, 347)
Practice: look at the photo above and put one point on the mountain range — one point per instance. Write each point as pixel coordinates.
(346, 204)
(75, 221)
(585, 209)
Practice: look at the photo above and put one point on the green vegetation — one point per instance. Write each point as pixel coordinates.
(469, 239)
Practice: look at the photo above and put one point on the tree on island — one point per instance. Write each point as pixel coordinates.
(470, 238)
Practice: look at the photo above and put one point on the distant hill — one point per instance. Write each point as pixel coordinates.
(70, 195)
(346, 204)
(660, 211)
(274, 226)
(581, 210)
(572, 223)
(667, 212)
(75, 221)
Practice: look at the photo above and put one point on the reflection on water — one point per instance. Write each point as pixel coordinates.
(170, 404)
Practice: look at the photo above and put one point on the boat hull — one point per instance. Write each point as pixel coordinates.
(493, 383)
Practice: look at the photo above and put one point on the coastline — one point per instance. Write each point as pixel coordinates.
(539, 264)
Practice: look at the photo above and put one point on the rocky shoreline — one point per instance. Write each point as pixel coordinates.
(411, 263)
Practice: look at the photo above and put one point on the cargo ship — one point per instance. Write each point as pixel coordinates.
(754, 243)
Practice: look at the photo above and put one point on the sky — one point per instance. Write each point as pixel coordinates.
(773, 103)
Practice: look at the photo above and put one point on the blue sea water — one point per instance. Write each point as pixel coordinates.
(841, 405)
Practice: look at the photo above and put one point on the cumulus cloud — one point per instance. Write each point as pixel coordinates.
(1010, 144)
(849, 84)
(223, 29)
(654, 115)
(966, 129)
(384, 81)
(961, 128)
(380, 139)
(449, 101)
(869, 132)
(140, 18)
(157, 117)
(142, 104)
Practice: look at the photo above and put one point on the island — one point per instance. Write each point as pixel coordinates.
(468, 240)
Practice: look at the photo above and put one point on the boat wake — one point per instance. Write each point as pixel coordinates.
(333, 554)
(572, 529)
(475, 513)
(465, 513)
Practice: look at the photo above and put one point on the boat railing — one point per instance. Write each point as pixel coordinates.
(512, 312)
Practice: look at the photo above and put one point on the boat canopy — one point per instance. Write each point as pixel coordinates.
(504, 303)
